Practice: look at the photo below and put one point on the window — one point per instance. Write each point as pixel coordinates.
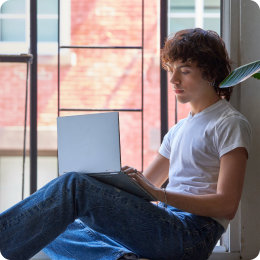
(97, 78)
(194, 13)
(15, 25)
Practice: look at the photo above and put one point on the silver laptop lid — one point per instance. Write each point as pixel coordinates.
(89, 143)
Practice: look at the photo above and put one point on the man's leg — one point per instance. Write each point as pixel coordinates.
(81, 242)
(135, 223)
(33, 223)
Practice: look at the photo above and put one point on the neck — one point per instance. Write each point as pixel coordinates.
(198, 107)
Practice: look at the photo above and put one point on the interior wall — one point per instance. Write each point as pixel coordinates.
(249, 97)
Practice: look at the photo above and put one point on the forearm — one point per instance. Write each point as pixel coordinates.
(210, 205)
(157, 171)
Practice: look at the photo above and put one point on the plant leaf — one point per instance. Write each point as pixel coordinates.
(240, 74)
(256, 76)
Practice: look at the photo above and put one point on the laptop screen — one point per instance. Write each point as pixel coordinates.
(89, 143)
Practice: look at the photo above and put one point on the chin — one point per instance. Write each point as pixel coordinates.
(182, 100)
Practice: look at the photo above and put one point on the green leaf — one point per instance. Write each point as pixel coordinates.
(256, 76)
(240, 74)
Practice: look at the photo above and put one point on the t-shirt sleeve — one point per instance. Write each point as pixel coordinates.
(165, 148)
(231, 133)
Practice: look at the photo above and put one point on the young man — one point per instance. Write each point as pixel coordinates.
(204, 156)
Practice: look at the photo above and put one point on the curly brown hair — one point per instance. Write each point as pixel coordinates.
(206, 49)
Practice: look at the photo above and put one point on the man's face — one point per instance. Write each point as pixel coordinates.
(188, 83)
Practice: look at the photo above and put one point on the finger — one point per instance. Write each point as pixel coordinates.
(131, 170)
(125, 167)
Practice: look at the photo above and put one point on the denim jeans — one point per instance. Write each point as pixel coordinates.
(78, 217)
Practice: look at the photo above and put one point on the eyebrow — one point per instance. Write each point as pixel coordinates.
(184, 65)
(180, 66)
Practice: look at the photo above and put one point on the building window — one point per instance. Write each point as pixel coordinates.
(15, 25)
(194, 13)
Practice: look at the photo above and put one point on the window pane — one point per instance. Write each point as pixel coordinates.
(131, 141)
(105, 22)
(211, 6)
(177, 24)
(12, 96)
(184, 6)
(47, 30)
(12, 30)
(98, 78)
(212, 24)
(13, 7)
(47, 6)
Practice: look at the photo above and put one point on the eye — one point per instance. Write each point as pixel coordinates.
(185, 72)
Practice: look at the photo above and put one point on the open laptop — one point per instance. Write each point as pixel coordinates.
(90, 144)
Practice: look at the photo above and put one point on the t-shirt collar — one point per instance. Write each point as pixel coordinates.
(214, 106)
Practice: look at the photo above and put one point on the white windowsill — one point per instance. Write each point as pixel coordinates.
(220, 253)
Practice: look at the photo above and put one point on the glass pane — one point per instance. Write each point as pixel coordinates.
(177, 24)
(47, 30)
(12, 98)
(12, 30)
(212, 6)
(105, 22)
(47, 6)
(184, 6)
(212, 24)
(131, 139)
(47, 101)
(96, 78)
(13, 7)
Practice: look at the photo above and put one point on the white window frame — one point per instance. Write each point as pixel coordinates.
(44, 48)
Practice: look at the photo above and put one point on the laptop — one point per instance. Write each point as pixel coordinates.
(90, 144)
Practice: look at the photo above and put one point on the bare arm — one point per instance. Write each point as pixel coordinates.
(222, 204)
(157, 172)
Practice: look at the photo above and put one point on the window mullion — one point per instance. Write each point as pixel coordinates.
(199, 6)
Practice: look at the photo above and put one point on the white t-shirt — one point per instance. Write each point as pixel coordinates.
(194, 147)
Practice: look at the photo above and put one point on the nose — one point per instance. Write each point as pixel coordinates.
(174, 78)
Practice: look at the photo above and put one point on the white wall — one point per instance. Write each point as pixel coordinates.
(241, 31)
(250, 106)
(242, 34)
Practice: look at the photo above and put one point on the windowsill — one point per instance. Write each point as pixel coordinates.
(219, 253)
(13, 153)
(11, 141)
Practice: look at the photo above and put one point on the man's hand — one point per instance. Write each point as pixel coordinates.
(142, 181)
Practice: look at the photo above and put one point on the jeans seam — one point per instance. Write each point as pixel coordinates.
(16, 219)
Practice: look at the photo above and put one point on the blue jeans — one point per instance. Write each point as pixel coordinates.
(78, 217)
